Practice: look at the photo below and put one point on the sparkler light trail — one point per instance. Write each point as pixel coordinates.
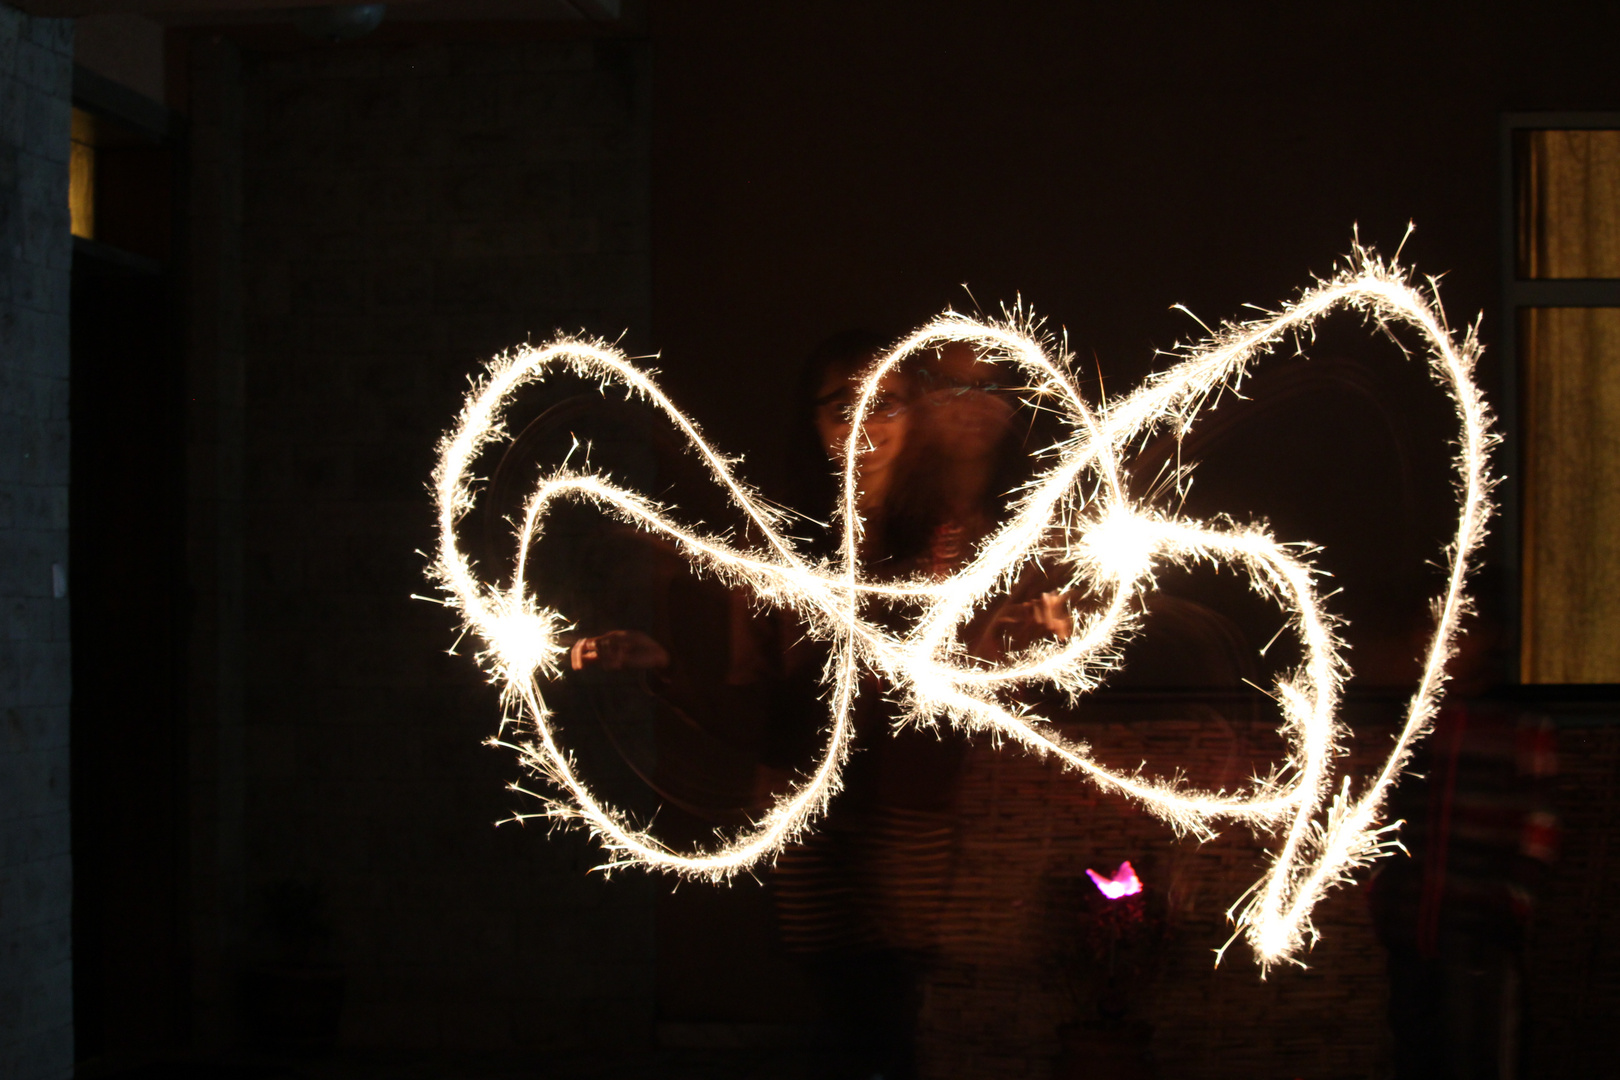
(1078, 515)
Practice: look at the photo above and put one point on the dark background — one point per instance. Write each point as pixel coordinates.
(861, 165)
(727, 183)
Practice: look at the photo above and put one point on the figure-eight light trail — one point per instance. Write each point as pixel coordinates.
(1077, 515)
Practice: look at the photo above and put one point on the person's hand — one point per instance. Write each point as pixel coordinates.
(618, 650)
(1050, 613)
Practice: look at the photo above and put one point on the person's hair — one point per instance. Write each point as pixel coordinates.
(812, 479)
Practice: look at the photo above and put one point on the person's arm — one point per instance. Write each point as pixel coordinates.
(618, 650)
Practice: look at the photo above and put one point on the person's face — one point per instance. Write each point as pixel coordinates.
(965, 404)
(886, 422)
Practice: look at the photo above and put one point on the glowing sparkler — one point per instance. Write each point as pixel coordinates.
(1077, 514)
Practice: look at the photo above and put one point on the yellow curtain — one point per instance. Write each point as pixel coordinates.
(82, 176)
(1569, 204)
(1571, 629)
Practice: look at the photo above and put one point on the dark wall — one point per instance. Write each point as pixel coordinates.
(409, 210)
(844, 163)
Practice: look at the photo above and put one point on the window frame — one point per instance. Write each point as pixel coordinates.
(1518, 293)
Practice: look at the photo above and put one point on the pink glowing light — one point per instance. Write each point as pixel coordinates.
(1124, 882)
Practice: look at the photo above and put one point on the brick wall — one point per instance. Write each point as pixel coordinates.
(1017, 990)
(1573, 988)
(1021, 990)
(408, 211)
(36, 984)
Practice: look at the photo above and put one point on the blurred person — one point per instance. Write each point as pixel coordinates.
(862, 897)
(859, 898)
(883, 438)
(966, 460)
(1454, 909)
(836, 890)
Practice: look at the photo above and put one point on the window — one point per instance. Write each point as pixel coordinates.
(82, 176)
(1562, 292)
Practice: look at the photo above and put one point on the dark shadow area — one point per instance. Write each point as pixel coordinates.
(128, 609)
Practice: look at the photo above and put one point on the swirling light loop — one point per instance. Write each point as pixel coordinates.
(1078, 514)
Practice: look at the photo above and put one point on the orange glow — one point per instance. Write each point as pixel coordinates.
(82, 177)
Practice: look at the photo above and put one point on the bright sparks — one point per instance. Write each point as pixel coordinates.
(1078, 515)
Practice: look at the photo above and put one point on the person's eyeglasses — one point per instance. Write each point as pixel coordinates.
(884, 407)
(937, 386)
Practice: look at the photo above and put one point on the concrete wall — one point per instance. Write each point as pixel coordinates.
(36, 983)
